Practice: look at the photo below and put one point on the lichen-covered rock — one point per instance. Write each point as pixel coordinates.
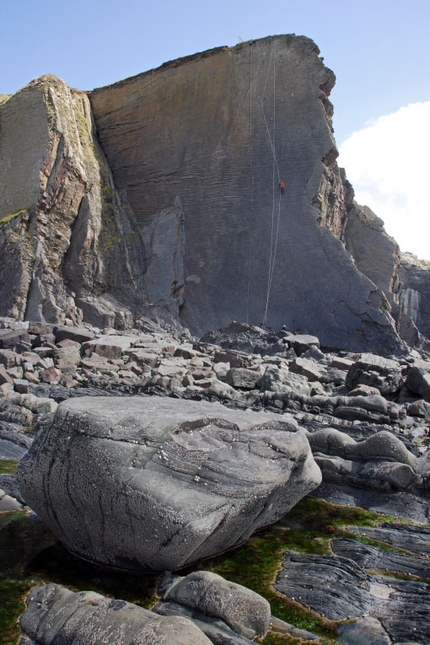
(157, 483)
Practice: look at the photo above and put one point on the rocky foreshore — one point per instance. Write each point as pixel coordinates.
(361, 419)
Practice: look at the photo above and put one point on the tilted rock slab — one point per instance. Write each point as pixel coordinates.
(172, 203)
(56, 615)
(156, 484)
(65, 233)
(220, 130)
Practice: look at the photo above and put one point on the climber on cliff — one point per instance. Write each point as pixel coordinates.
(282, 187)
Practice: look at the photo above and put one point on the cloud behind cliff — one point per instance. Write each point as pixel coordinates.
(388, 163)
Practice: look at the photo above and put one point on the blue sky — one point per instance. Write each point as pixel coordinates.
(378, 49)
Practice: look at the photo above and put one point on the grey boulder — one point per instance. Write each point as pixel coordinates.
(244, 611)
(157, 483)
(56, 615)
(376, 371)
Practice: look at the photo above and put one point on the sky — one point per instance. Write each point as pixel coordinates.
(378, 49)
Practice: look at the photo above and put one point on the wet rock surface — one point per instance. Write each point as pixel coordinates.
(341, 588)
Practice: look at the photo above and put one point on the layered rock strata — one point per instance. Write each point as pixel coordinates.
(160, 195)
(251, 252)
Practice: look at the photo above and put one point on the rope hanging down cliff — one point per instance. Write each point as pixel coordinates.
(276, 182)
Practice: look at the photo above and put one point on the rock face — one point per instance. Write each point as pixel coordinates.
(414, 292)
(159, 484)
(171, 205)
(272, 258)
(70, 241)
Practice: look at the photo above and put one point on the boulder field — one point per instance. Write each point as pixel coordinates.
(155, 450)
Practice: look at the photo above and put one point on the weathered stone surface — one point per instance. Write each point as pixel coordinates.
(402, 504)
(8, 503)
(343, 306)
(64, 229)
(362, 631)
(336, 587)
(308, 368)
(339, 588)
(4, 376)
(9, 338)
(369, 557)
(375, 253)
(218, 632)
(78, 334)
(109, 346)
(416, 538)
(376, 371)
(55, 614)
(413, 291)
(242, 378)
(246, 612)
(162, 483)
(418, 382)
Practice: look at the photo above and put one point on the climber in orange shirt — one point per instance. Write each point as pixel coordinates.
(282, 187)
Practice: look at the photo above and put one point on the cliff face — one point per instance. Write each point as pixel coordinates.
(70, 242)
(175, 201)
(220, 131)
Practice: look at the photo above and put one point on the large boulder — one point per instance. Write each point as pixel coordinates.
(156, 484)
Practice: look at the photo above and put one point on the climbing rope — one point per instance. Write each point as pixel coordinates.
(276, 180)
(251, 212)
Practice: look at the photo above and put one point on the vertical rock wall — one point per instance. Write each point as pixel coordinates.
(219, 131)
(65, 233)
(161, 192)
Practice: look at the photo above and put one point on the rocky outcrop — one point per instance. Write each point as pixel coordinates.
(171, 206)
(413, 295)
(272, 258)
(55, 614)
(325, 582)
(142, 484)
(71, 246)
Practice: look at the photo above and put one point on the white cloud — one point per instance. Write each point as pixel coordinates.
(388, 164)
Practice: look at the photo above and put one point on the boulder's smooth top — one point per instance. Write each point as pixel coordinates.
(156, 484)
